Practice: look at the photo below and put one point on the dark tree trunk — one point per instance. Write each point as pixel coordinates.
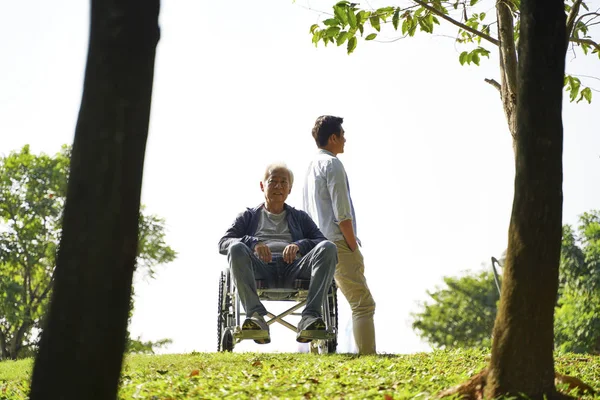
(522, 353)
(3, 349)
(81, 348)
(17, 342)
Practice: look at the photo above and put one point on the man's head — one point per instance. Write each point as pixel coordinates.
(329, 134)
(277, 183)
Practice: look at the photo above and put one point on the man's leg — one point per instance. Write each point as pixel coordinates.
(245, 268)
(318, 266)
(350, 278)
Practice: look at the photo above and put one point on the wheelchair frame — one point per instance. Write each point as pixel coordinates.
(230, 313)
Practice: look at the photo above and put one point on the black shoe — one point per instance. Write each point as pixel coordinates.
(258, 328)
(310, 328)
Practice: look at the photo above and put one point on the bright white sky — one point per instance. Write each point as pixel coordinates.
(238, 85)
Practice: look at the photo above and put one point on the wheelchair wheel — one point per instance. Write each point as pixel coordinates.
(224, 335)
(333, 312)
(227, 342)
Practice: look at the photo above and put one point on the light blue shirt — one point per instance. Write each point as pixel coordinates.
(326, 196)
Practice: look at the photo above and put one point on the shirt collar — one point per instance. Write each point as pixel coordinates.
(323, 151)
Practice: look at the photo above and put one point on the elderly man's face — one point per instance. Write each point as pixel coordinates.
(277, 186)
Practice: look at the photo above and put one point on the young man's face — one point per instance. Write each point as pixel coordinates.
(338, 142)
(277, 186)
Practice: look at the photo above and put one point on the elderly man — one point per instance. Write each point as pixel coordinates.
(279, 244)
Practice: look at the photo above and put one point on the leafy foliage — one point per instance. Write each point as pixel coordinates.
(462, 314)
(577, 317)
(32, 199)
(295, 376)
(138, 346)
(476, 29)
(32, 196)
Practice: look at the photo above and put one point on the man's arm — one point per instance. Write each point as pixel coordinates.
(348, 232)
(238, 233)
(340, 198)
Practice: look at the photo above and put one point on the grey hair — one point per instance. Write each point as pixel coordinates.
(278, 166)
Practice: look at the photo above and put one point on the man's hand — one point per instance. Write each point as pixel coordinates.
(290, 252)
(263, 252)
(352, 246)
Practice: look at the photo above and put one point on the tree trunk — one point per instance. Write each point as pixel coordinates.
(3, 349)
(522, 354)
(81, 348)
(17, 341)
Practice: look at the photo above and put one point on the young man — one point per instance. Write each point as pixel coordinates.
(279, 244)
(327, 200)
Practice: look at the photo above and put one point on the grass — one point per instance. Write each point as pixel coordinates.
(295, 376)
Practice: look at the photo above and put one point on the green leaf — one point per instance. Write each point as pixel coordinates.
(475, 58)
(314, 27)
(482, 16)
(473, 2)
(586, 94)
(423, 25)
(332, 31)
(362, 16)
(396, 18)
(405, 25)
(385, 12)
(351, 44)
(585, 48)
(574, 85)
(483, 52)
(351, 18)
(316, 37)
(340, 15)
(371, 36)
(463, 57)
(331, 22)
(342, 37)
(374, 19)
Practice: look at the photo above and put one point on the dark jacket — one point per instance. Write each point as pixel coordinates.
(305, 232)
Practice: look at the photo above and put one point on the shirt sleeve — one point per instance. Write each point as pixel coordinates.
(337, 185)
(237, 233)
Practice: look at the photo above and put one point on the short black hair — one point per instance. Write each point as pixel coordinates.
(325, 126)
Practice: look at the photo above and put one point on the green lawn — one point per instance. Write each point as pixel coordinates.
(299, 376)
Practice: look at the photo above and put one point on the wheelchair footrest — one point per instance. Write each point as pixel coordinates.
(318, 335)
(250, 334)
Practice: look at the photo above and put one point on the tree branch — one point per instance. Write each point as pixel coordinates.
(494, 84)
(571, 18)
(582, 16)
(508, 52)
(589, 42)
(459, 24)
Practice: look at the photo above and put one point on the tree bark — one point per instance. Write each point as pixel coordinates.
(522, 353)
(81, 348)
(17, 341)
(3, 349)
(508, 65)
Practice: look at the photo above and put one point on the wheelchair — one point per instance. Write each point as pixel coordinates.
(231, 313)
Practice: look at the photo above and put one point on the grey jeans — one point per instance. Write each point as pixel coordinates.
(318, 266)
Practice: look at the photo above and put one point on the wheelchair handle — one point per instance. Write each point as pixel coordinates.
(496, 277)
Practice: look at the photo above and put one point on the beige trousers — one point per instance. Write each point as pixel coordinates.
(350, 278)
